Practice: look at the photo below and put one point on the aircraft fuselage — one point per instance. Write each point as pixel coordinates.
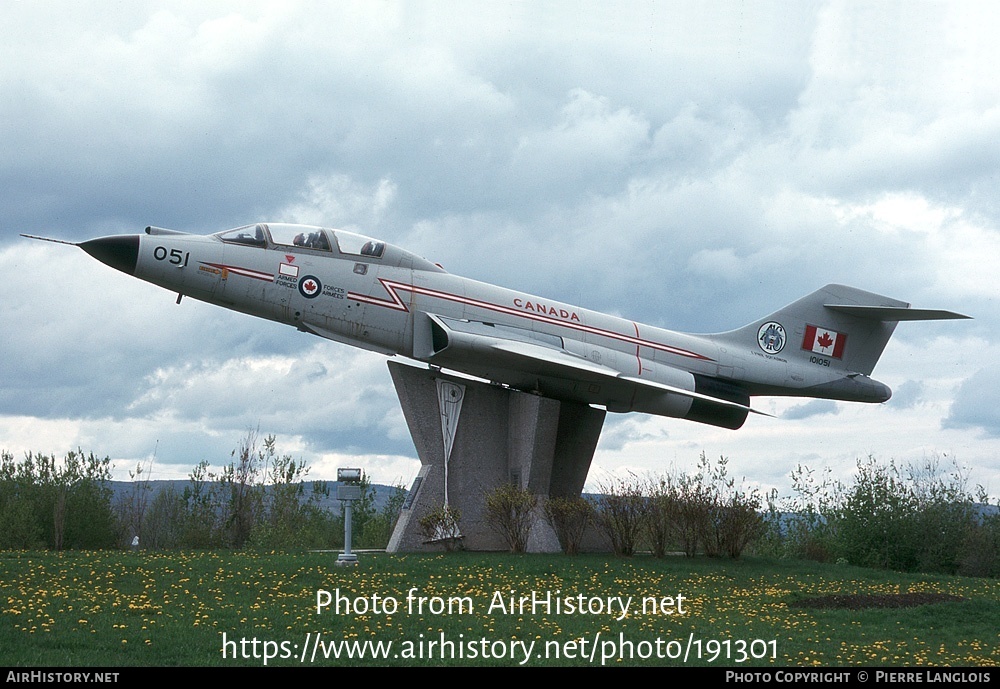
(371, 294)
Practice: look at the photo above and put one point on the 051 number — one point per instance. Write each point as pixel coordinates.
(174, 256)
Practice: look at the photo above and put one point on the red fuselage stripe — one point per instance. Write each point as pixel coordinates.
(637, 357)
(397, 303)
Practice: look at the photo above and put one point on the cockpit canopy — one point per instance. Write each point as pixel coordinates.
(320, 241)
(304, 236)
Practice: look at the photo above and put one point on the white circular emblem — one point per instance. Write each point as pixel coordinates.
(310, 287)
(771, 337)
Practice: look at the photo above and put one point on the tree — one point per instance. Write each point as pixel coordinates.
(289, 515)
(379, 529)
(132, 505)
(63, 504)
(165, 521)
(241, 482)
(202, 510)
(19, 526)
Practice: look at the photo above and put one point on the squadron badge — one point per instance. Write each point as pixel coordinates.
(771, 337)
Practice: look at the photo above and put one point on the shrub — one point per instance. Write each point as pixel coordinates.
(729, 517)
(660, 506)
(916, 517)
(876, 522)
(569, 518)
(910, 519)
(509, 512)
(621, 514)
(440, 525)
(739, 522)
(806, 527)
(689, 510)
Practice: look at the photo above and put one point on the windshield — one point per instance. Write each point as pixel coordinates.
(252, 235)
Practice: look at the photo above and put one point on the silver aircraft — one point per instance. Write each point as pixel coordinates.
(370, 294)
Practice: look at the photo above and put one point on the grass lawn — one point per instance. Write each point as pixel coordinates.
(221, 608)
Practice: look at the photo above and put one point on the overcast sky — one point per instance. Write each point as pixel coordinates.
(691, 165)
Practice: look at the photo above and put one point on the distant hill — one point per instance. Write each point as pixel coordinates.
(328, 502)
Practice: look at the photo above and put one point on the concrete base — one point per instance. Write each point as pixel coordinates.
(504, 436)
(345, 560)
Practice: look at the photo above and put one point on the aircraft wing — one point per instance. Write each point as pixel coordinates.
(541, 359)
(565, 364)
(543, 355)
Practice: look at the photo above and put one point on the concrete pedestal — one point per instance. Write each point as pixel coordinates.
(472, 437)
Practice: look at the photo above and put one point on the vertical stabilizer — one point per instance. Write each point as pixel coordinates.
(845, 327)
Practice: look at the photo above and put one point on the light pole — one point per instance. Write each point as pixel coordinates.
(348, 490)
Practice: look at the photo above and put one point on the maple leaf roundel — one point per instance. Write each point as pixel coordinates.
(310, 286)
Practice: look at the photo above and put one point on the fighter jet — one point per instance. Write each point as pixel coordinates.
(370, 294)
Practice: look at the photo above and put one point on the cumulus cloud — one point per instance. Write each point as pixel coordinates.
(907, 395)
(975, 406)
(689, 167)
(588, 147)
(339, 201)
(621, 430)
(810, 409)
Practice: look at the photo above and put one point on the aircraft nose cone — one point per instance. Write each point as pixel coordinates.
(120, 252)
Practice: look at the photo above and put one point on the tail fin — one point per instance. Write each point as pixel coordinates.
(846, 326)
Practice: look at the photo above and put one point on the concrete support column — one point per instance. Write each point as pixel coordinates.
(495, 436)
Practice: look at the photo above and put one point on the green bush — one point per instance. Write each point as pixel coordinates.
(908, 518)
(63, 504)
(569, 518)
(441, 525)
(621, 514)
(509, 512)
(659, 525)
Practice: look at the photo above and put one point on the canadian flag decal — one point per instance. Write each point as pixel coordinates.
(824, 341)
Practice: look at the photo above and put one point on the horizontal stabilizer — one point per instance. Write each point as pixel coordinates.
(895, 313)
